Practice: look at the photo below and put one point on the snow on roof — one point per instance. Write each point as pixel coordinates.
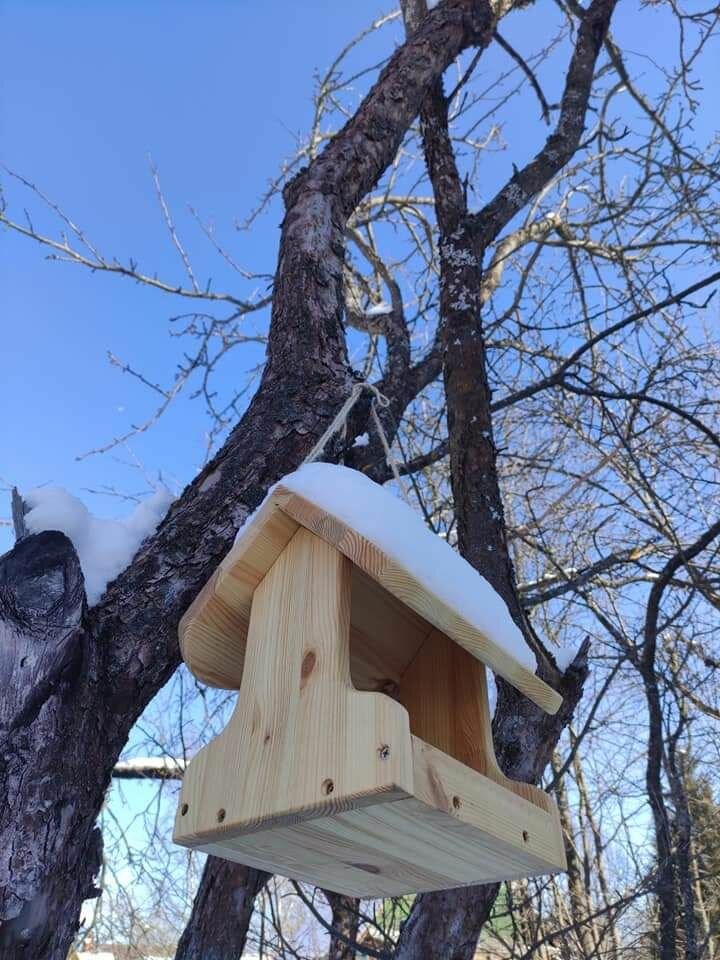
(379, 516)
(105, 547)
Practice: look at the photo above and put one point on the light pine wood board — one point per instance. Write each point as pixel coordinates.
(302, 741)
(445, 692)
(213, 632)
(214, 629)
(398, 846)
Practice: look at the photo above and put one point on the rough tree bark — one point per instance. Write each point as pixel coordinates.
(222, 911)
(43, 655)
(93, 672)
(345, 922)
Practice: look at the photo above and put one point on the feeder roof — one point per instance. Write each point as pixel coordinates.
(404, 576)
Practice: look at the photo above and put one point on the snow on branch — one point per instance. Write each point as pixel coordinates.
(105, 547)
(149, 768)
(379, 310)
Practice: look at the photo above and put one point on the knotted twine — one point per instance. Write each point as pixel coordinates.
(340, 424)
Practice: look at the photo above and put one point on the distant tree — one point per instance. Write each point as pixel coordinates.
(704, 858)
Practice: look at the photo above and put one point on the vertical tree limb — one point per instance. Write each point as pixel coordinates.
(448, 924)
(221, 913)
(665, 887)
(345, 922)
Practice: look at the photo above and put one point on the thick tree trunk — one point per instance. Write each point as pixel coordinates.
(223, 907)
(345, 924)
(49, 674)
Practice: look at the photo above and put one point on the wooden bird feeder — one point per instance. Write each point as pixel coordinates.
(359, 756)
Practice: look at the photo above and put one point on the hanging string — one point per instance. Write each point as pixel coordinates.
(339, 424)
(340, 420)
(389, 458)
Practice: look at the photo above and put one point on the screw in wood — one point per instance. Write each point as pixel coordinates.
(457, 802)
(327, 787)
(525, 836)
(184, 809)
(221, 815)
(384, 751)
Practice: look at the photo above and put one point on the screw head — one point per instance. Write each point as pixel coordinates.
(384, 751)
(221, 815)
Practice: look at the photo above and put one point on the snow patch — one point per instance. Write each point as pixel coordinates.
(492, 691)
(564, 656)
(210, 480)
(105, 547)
(379, 310)
(376, 514)
(362, 441)
(146, 766)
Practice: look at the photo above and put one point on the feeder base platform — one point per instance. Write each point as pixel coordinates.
(457, 828)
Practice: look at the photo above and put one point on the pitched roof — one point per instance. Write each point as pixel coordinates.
(406, 582)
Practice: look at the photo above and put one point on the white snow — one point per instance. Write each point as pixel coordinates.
(492, 691)
(109, 955)
(362, 441)
(564, 656)
(376, 514)
(146, 766)
(105, 547)
(379, 310)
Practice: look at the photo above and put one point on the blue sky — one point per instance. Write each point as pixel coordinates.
(88, 91)
(217, 94)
